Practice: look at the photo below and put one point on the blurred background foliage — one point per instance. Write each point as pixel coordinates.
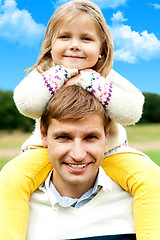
(151, 112)
(11, 119)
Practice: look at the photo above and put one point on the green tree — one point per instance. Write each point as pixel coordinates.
(10, 118)
(151, 112)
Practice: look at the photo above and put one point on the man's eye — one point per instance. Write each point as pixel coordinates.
(90, 138)
(63, 138)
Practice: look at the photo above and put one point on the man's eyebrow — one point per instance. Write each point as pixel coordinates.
(64, 133)
(93, 132)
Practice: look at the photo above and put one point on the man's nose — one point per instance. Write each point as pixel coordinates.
(78, 152)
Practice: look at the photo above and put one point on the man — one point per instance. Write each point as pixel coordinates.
(78, 200)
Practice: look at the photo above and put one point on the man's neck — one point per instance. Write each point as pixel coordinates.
(72, 190)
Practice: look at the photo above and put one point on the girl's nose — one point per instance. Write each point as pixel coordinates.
(78, 152)
(75, 45)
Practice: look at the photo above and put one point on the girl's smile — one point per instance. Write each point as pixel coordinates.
(77, 44)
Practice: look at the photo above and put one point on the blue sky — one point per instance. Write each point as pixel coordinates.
(134, 24)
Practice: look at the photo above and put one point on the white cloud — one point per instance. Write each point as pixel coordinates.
(118, 17)
(18, 25)
(155, 5)
(101, 3)
(124, 56)
(131, 46)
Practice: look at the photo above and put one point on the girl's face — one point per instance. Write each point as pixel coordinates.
(77, 44)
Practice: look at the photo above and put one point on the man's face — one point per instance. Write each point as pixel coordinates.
(76, 150)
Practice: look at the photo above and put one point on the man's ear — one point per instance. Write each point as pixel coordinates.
(107, 134)
(43, 137)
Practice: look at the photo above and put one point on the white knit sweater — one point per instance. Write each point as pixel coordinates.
(125, 107)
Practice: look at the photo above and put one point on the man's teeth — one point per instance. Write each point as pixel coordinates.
(78, 166)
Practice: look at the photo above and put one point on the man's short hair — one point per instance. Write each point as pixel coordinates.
(72, 103)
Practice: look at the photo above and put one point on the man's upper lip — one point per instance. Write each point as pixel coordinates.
(82, 163)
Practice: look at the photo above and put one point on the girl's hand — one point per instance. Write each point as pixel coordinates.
(91, 70)
(72, 80)
(99, 86)
(55, 77)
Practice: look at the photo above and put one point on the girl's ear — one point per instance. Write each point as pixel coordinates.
(44, 137)
(101, 50)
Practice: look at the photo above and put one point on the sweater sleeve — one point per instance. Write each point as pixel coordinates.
(31, 95)
(127, 101)
(121, 99)
(35, 90)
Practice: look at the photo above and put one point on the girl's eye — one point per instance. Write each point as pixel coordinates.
(87, 39)
(64, 36)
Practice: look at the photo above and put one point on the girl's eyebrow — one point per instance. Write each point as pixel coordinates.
(65, 31)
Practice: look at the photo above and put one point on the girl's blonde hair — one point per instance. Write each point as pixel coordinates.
(68, 12)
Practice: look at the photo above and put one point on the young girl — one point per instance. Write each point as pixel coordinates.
(78, 43)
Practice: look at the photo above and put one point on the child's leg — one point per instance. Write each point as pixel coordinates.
(133, 172)
(141, 177)
(18, 179)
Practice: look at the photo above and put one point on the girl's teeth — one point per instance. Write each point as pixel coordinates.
(78, 166)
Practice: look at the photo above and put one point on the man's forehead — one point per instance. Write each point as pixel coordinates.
(91, 122)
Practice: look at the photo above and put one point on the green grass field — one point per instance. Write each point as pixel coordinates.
(143, 133)
(154, 155)
(10, 145)
(145, 138)
(3, 161)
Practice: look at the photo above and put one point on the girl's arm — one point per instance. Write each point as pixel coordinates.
(126, 98)
(125, 104)
(122, 100)
(34, 91)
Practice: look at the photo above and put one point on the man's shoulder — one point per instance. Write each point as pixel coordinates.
(40, 195)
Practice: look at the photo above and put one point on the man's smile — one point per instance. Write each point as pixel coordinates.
(77, 168)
